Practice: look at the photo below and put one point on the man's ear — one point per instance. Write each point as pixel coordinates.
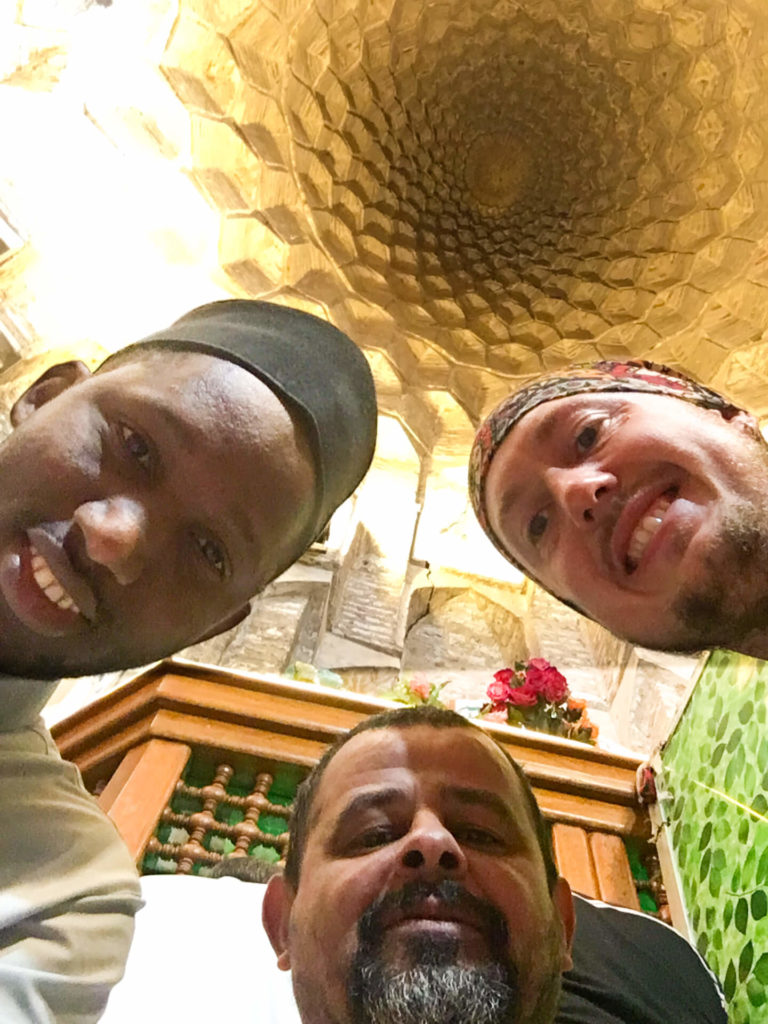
(563, 900)
(275, 915)
(52, 383)
(229, 623)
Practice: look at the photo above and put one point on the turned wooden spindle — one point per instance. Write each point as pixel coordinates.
(200, 824)
(204, 821)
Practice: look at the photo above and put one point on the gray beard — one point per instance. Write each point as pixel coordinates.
(432, 987)
(432, 994)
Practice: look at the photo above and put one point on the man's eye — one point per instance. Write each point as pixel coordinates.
(213, 554)
(537, 526)
(475, 836)
(136, 446)
(586, 439)
(373, 837)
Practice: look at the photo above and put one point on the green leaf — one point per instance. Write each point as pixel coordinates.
(759, 904)
(756, 992)
(761, 876)
(734, 770)
(704, 866)
(746, 711)
(761, 969)
(733, 740)
(741, 917)
(706, 835)
(745, 961)
(718, 755)
(729, 982)
(728, 914)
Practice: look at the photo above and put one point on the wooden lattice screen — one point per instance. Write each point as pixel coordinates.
(228, 816)
(141, 748)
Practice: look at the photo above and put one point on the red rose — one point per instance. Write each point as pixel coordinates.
(538, 663)
(523, 696)
(544, 678)
(555, 688)
(505, 675)
(498, 691)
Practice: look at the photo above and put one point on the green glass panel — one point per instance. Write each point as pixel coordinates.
(715, 770)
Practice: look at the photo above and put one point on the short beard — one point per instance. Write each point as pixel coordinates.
(733, 603)
(434, 988)
(429, 994)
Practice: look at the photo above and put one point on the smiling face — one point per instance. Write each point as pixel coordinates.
(422, 885)
(636, 508)
(140, 508)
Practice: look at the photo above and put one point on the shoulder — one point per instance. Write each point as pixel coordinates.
(629, 967)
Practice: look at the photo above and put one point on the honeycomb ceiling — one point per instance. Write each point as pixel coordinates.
(477, 190)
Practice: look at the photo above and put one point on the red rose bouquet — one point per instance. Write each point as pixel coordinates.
(535, 694)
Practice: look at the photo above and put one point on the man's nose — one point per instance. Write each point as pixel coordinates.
(115, 532)
(431, 849)
(584, 492)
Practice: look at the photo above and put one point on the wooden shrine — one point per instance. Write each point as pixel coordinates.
(134, 744)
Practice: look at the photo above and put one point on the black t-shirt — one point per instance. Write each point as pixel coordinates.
(629, 968)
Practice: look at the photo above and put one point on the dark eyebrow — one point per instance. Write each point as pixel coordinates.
(484, 797)
(371, 798)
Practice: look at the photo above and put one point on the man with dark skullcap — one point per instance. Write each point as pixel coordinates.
(141, 507)
(637, 496)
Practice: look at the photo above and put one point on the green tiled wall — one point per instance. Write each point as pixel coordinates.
(715, 770)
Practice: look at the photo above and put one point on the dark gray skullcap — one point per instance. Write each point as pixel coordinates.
(312, 366)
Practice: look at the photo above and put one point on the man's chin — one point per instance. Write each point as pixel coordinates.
(51, 661)
(729, 603)
(433, 993)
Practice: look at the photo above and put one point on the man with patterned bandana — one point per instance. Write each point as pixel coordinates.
(636, 496)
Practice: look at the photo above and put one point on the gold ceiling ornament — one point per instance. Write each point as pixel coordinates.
(479, 189)
(496, 171)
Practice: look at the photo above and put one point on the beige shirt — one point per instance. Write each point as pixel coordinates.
(68, 887)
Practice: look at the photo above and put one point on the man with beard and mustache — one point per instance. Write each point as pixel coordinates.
(141, 507)
(636, 496)
(420, 888)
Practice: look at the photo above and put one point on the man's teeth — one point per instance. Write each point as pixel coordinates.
(646, 529)
(48, 583)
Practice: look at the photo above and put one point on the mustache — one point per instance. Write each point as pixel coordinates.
(449, 894)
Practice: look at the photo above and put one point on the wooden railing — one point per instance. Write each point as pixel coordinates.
(133, 744)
